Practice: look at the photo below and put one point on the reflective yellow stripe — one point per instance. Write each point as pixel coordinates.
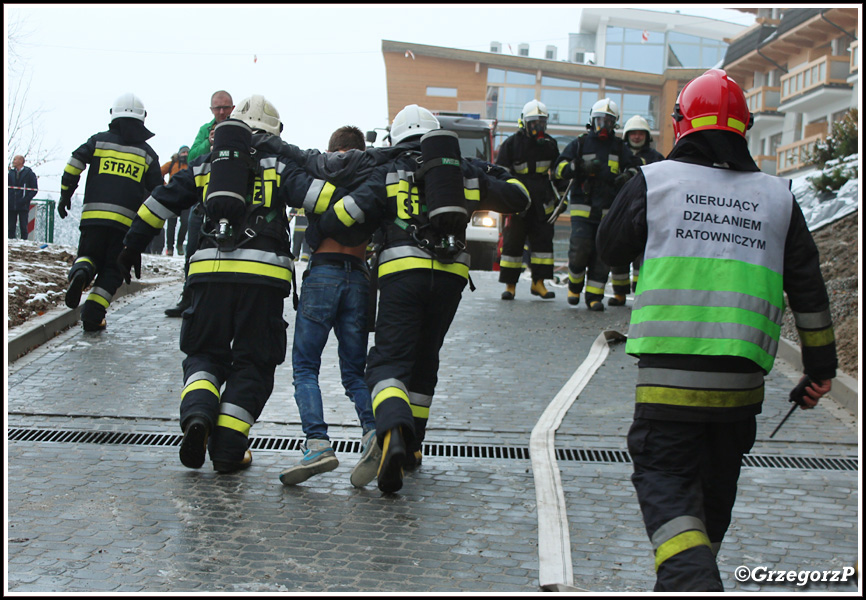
(736, 124)
(472, 195)
(109, 216)
(239, 266)
(125, 156)
(678, 543)
(98, 299)
(83, 259)
(817, 338)
(704, 121)
(507, 264)
(343, 215)
(706, 398)
(540, 261)
(404, 264)
(420, 412)
(519, 184)
(230, 422)
(149, 217)
(72, 170)
(389, 392)
(200, 384)
(324, 198)
(591, 289)
(576, 278)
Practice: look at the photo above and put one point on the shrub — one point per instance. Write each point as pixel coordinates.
(842, 141)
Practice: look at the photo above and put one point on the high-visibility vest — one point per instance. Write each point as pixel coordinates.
(711, 281)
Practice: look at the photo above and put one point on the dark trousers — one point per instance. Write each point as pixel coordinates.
(685, 476)
(233, 335)
(533, 228)
(416, 308)
(585, 268)
(19, 218)
(171, 226)
(98, 249)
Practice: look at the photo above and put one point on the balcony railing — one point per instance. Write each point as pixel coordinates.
(824, 71)
(855, 57)
(794, 156)
(767, 164)
(763, 99)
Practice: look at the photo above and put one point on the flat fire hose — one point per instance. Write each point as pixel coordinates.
(555, 572)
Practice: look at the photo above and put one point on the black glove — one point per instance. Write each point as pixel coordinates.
(578, 167)
(593, 167)
(127, 259)
(64, 205)
(622, 178)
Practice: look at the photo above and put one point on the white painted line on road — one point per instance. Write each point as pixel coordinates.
(554, 544)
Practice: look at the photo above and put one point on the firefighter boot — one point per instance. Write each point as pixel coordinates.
(538, 289)
(573, 298)
(413, 460)
(617, 300)
(390, 474)
(76, 285)
(595, 306)
(194, 444)
(90, 326)
(510, 291)
(226, 467)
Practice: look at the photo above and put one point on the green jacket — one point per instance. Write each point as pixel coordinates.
(201, 145)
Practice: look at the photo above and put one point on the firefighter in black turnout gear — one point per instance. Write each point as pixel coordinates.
(594, 161)
(233, 334)
(422, 199)
(726, 248)
(638, 136)
(529, 155)
(123, 170)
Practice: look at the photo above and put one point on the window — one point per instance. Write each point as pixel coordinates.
(441, 91)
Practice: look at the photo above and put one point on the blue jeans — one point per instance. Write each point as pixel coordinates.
(332, 297)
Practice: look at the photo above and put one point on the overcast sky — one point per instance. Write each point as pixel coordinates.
(321, 65)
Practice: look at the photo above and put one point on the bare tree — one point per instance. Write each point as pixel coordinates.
(24, 129)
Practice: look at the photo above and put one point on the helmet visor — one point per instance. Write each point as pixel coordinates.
(536, 126)
(600, 122)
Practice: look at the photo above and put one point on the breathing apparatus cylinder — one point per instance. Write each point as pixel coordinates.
(443, 191)
(231, 177)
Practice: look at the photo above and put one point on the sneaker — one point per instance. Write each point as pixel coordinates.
(180, 250)
(169, 251)
(194, 444)
(226, 467)
(91, 326)
(318, 458)
(76, 285)
(365, 471)
(390, 473)
(182, 305)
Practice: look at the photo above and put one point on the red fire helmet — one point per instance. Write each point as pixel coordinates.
(711, 101)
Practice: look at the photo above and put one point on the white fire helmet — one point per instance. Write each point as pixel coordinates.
(128, 105)
(257, 112)
(411, 121)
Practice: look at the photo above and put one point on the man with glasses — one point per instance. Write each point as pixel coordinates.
(221, 105)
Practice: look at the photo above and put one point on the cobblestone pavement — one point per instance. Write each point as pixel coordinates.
(119, 513)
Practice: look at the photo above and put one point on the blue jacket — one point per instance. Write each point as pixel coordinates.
(20, 199)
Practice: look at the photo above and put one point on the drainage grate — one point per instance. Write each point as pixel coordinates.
(277, 444)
